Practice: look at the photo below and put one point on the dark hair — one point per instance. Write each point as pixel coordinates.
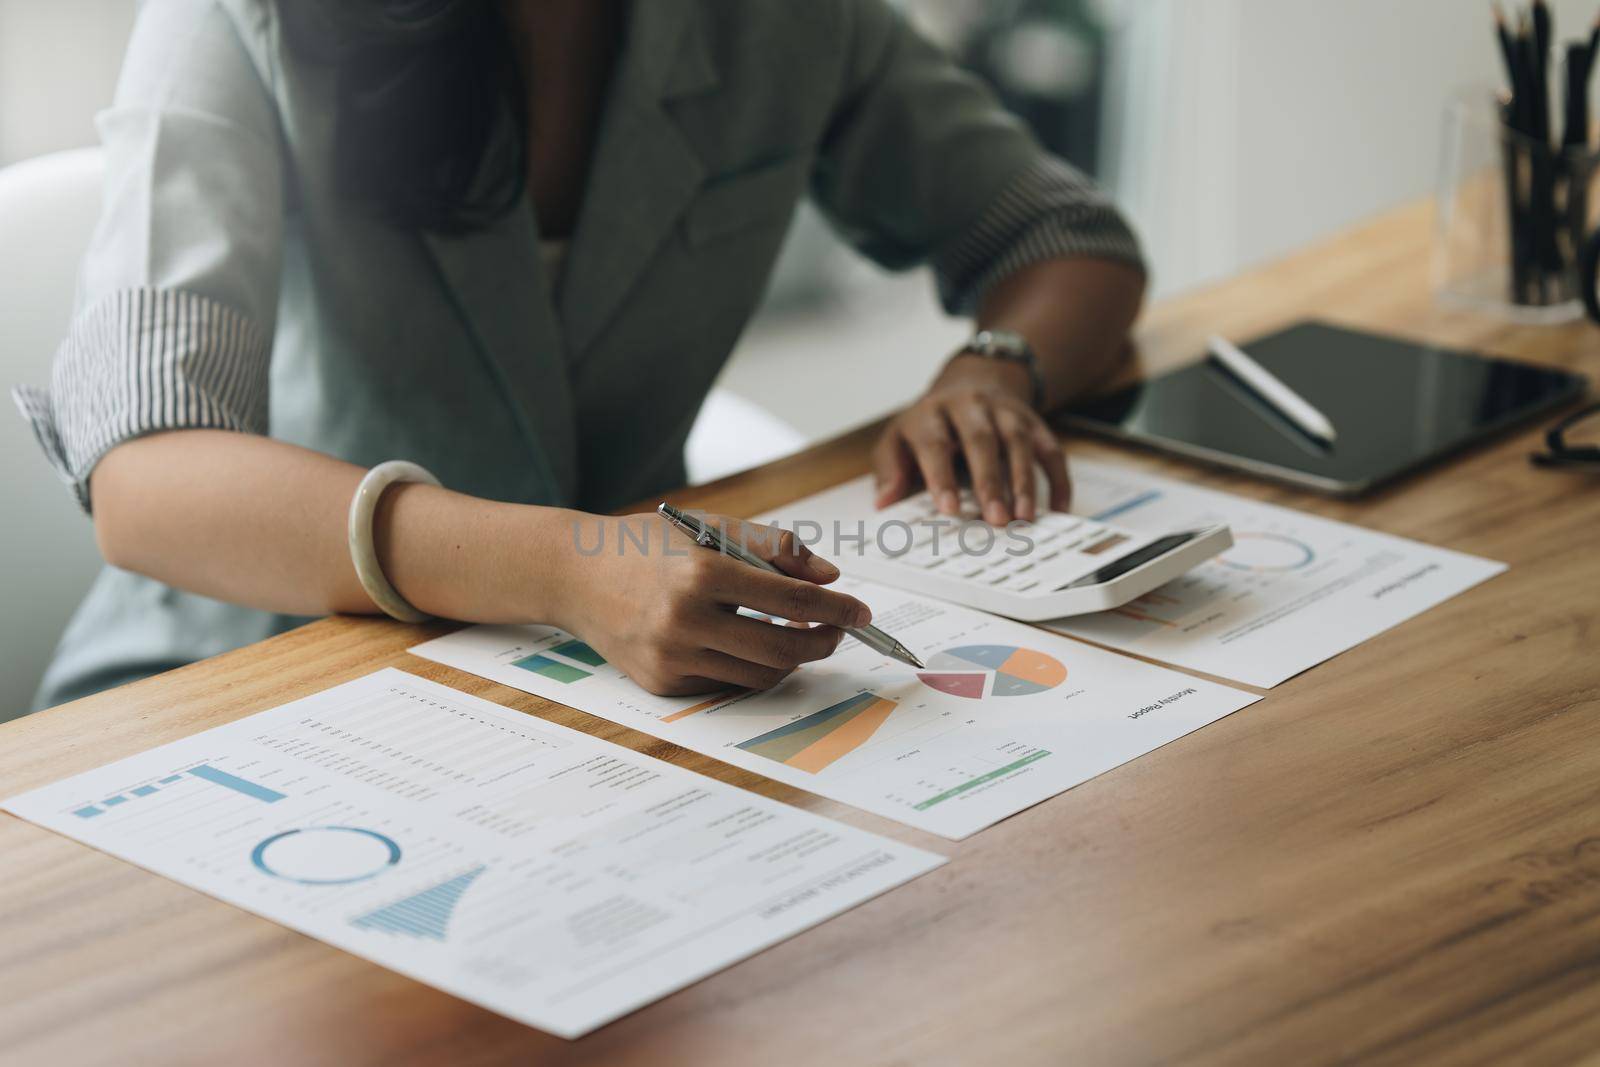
(430, 116)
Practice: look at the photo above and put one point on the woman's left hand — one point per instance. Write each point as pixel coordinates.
(978, 411)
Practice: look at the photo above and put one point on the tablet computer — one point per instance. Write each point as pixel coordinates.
(1397, 406)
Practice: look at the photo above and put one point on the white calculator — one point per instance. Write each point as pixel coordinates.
(1059, 565)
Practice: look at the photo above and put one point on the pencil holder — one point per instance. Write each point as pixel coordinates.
(1512, 214)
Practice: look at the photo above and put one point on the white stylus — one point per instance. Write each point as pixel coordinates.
(1266, 385)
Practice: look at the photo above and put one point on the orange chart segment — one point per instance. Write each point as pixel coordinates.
(814, 742)
(1035, 667)
(1014, 671)
(704, 705)
(846, 739)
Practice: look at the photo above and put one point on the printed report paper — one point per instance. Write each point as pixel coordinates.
(1004, 716)
(1295, 589)
(552, 877)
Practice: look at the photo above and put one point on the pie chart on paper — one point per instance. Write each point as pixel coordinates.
(977, 671)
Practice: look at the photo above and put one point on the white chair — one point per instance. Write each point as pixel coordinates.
(48, 208)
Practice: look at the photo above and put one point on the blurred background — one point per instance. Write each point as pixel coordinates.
(1231, 131)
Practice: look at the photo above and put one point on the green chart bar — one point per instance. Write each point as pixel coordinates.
(998, 772)
(581, 652)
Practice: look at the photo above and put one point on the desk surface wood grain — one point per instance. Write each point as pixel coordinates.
(1395, 857)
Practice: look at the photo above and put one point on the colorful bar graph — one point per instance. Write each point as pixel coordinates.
(238, 785)
(581, 652)
(554, 669)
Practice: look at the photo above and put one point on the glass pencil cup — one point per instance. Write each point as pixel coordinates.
(1511, 216)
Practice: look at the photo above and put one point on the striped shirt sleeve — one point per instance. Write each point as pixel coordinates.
(143, 360)
(1050, 211)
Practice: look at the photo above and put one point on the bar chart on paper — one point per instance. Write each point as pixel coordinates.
(203, 772)
(569, 661)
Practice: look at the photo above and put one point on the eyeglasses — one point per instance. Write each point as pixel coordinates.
(1582, 451)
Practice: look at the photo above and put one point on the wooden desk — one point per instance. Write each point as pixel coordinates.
(1394, 857)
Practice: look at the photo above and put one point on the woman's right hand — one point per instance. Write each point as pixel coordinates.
(666, 614)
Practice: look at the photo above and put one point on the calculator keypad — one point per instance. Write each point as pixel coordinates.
(1065, 547)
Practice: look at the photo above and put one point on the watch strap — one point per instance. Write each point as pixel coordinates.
(1011, 348)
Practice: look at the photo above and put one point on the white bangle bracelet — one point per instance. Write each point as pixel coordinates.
(362, 553)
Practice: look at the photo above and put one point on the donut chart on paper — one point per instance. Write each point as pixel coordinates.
(976, 671)
(1266, 552)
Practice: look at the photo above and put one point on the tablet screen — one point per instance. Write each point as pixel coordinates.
(1395, 404)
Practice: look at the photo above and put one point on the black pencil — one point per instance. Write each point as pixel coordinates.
(1507, 52)
(1541, 34)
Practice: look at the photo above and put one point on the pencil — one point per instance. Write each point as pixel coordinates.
(1507, 53)
(1541, 34)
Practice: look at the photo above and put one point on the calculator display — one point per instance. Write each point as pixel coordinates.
(1118, 567)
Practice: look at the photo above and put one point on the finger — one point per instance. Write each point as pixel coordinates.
(981, 446)
(933, 444)
(1054, 462)
(1020, 461)
(783, 647)
(894, 468)
(785, 598)
(728, 670)
(779, 547)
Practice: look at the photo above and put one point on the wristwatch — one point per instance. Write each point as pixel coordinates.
(1012, 348)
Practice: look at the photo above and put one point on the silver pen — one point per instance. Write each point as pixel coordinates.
(711, 537)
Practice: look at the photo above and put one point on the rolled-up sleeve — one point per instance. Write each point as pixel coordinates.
(921, 164)
(177, 294)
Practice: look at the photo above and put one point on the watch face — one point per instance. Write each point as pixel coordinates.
(999, 344)
(1004, 341)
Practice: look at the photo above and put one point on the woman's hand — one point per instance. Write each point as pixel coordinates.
(978, 411)
(666, 612)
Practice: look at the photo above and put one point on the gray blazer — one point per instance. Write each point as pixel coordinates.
(229, 286)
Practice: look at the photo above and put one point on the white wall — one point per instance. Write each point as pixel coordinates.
(1251, 127)
(58, 65)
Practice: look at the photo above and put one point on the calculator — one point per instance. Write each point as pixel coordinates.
(1060, 564)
